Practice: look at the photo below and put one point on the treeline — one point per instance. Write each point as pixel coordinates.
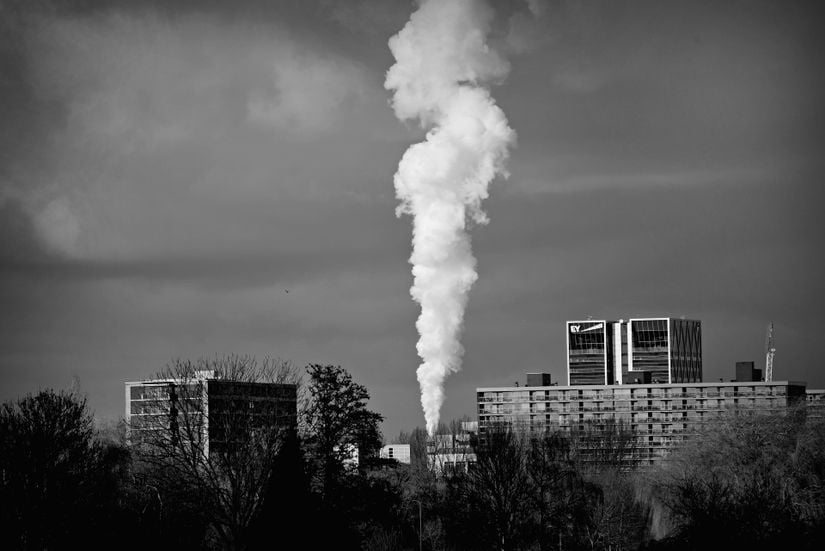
(558, 490)
(65, 484)
(743, 482)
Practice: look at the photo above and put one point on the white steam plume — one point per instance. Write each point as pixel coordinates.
(442, 64)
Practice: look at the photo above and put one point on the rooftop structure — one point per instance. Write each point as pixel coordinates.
(745, 371)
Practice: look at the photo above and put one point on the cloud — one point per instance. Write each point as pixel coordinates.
(155, 81)
(162, 126)
(558, 180)
(58, 226)
(369, 17)
(305, 94)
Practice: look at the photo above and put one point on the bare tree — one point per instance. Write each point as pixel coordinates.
(553, 476)
(498, 486)
(449, 451)
(604, 444)
(213, 429)
(418, 448)
(614, 517)
(583, 493)
(745, 480)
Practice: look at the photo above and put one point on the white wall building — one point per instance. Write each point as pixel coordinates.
(399, 452)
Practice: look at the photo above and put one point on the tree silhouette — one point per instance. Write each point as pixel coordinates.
(211, 443)
(52, 471)
(338, 422)
(755, 481)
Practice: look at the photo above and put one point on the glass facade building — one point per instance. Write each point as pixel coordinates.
(588, 360)
(641, 350)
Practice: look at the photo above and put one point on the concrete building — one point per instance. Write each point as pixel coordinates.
(399, 452)
(452, 451)
(203, 407)
(657, 413)
(643, 375)
(639, 350)
(815, 399)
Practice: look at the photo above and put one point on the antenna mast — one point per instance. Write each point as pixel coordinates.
(770, 350)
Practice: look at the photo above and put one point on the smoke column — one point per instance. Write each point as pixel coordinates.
(442, 65)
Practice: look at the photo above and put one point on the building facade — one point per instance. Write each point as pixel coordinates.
(639, 350)
(399, 452)
(452, 451)
(206, 408)
(590, 360)
(815, 398)
(658, 414)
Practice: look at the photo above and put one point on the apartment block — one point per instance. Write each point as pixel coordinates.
(204, 408)
(658, 414)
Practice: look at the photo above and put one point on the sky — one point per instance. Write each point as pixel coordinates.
(200, 178)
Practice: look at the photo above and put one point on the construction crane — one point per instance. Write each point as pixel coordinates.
(770, 350)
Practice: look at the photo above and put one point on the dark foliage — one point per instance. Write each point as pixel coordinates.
(746, 481)
(337, 423)
(497, 490)
(58, 484)
(221, 485)
(537, 492)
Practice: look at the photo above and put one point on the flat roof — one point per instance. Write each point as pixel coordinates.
(631, 319)
(656, 385)
(197, 380)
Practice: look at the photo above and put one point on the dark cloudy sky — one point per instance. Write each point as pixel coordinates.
(169, 169)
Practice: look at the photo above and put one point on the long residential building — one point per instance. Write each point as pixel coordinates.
(657, 414)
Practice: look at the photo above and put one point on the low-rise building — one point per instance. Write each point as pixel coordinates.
(399, 452)
(452, 450)
(815, 400)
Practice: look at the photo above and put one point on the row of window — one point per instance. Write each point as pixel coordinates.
(610, 420)
(636, 393)
(762, 403)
